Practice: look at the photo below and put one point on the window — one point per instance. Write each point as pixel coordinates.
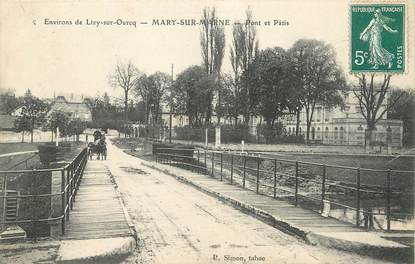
(318, 114)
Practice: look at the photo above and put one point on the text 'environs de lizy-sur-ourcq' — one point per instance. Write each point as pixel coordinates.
(161, 22)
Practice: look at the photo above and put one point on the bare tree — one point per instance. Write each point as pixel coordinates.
(212, 42)
(125, 76)
(371, 98)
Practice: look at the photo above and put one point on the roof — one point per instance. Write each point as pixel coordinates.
(75, 110)
(7, 122)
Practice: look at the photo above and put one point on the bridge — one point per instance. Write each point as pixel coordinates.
(77, 200)
(312, 197)
(82, 201)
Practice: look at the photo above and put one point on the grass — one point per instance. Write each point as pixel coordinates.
(128, 143)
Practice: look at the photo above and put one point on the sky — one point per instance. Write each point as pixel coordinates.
(51, 59)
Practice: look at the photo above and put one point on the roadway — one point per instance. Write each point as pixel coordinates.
(179, 224)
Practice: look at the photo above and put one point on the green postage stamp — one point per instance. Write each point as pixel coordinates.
(377, 38)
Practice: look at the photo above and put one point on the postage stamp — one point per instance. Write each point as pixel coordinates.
(377, 38)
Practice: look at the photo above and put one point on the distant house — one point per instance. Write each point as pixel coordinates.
(344, 126)
(7, 122)
(76, 110)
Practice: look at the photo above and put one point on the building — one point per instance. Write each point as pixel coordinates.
(344, 126)
(7, 122)
(75, 109)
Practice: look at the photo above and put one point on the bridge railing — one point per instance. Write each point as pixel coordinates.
(34, 199)
(370, 198)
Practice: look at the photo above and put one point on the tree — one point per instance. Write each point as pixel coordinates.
(76, 127)
(270, 80)
(372, 101)
(8, 101)
(125, 77)
(33, 109)
(152, 89)
(402, 104)
(212, 42)
(236, 60)
(142, 89)
(229, 105)
(22, 124)
(59, 119)
(318, 78)
(243, 52)
(189, 94)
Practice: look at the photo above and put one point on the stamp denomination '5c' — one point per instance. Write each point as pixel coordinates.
(378, 38)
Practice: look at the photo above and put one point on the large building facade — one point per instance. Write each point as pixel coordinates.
(345, 126)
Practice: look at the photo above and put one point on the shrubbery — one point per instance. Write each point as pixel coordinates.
(106, 124)
(235, 134)
(194, 134)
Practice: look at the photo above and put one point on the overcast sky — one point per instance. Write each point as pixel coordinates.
(62, 58)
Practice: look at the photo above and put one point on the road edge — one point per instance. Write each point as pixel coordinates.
(392, 253)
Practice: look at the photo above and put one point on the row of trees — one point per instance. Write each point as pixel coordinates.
(270, 83)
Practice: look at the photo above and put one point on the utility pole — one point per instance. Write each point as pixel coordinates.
(171, 104)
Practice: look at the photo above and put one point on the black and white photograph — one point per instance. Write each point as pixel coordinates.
(212, 131)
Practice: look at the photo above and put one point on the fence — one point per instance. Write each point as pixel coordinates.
(253, 134)
(229, 134)
(380, 199)
(355, 138)
(40, 197)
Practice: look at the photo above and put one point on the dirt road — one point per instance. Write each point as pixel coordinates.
(178, 224)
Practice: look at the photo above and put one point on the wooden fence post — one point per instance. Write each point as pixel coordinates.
(275, 178)
(358, 197)
(221, 166)
(388, 200)
(296, 183)
(323, 188)
(257, 175)
(231, 168)
(244, 177)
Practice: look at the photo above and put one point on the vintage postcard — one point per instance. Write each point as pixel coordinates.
(207, 131)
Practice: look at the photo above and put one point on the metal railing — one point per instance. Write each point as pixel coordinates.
(36, 185)
(361, 196)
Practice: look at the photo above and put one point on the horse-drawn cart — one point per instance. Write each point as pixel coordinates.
(98, 147)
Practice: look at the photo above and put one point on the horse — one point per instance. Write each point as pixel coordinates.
(99, 147)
